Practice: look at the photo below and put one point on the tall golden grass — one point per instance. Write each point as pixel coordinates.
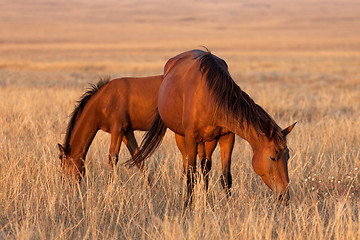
(300, 62)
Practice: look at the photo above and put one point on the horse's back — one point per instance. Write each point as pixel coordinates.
(129, 102)
(189, 55)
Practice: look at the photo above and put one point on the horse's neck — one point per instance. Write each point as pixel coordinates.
(246, 131)
(82, 135)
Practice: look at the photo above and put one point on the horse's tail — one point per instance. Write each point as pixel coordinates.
(151, 141)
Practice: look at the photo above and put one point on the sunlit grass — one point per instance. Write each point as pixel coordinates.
(323, 170)
(298, 61)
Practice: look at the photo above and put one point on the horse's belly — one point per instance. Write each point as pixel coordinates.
(141, 113)
(141, 122)
(205, 134)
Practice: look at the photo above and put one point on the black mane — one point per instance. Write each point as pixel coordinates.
(230, 100)
(80, 107)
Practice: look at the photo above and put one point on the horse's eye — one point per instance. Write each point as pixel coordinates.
(272, 158)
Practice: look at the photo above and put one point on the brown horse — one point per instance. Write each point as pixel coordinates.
(118, 107)
(199, 100)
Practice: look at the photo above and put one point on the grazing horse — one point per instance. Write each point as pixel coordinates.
(118, 107)
(199, 100)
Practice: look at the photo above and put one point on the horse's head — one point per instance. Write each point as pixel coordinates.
(270, 161)
(71, 165)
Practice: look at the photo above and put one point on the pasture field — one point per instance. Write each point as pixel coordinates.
(299, 61)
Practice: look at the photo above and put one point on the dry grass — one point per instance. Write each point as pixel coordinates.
(299, 62)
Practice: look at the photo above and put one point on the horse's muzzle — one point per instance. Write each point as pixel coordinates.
(284, 198)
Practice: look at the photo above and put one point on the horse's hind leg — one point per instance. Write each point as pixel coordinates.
(206, 155)
(131, 144)
(226, 143)
(189, 158)
(116, 138)
(180, 142)
(191, 150)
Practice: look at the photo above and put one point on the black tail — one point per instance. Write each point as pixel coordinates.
(150, 142)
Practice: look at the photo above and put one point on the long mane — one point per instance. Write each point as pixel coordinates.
(231, 102)
(80, 105)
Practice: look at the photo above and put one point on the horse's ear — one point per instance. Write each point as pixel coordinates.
(269, 130)
(61, 148)
(287, 130)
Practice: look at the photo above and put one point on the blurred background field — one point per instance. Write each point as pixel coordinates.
(298, 59)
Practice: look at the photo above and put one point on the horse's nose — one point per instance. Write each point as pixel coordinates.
(284, 198)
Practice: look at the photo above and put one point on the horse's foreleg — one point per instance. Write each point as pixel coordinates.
(226, 143)
(116, 138)
(132, 146)
(206, 160)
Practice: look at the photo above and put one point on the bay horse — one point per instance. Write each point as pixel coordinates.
(199, 100)
(118, 107)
